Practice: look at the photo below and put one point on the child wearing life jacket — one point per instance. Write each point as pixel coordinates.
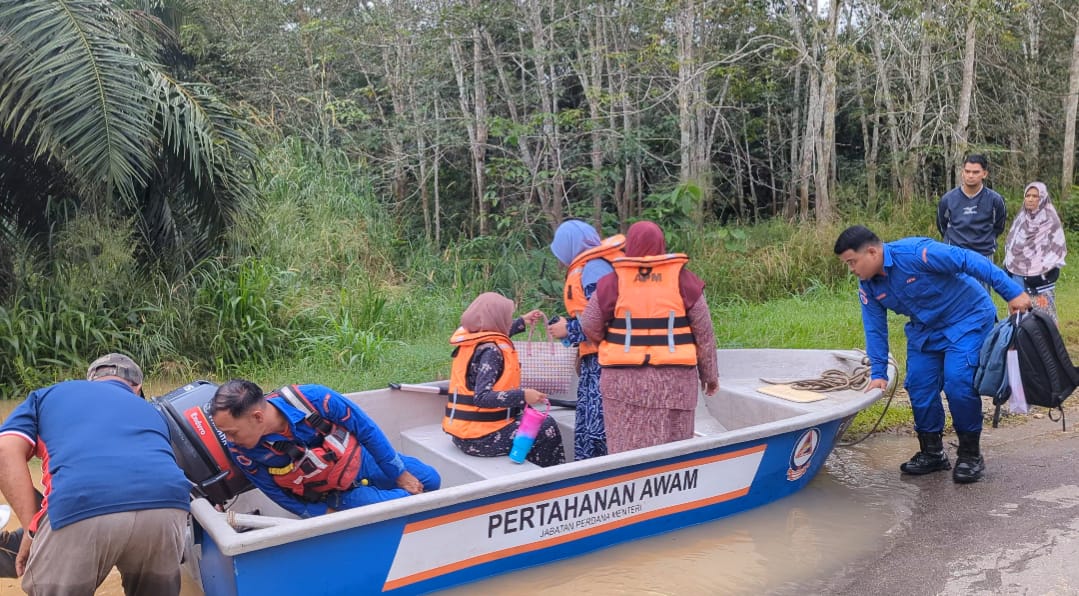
(485, 393)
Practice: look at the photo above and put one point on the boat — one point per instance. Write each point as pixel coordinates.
(754, 442)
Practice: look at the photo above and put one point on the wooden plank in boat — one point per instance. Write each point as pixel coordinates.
(791, 394)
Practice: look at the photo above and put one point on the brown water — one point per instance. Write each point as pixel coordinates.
(788, 547)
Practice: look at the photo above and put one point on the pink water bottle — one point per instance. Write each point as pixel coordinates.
(531, 420)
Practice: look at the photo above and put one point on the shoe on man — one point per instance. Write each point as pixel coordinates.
(969, 463)
(931, 458)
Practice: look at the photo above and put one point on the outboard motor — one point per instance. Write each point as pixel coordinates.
(199, 447)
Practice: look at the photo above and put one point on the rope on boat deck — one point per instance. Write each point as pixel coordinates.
(832, 379)
(857, 379)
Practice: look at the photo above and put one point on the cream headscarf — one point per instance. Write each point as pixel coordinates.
(1035, 242)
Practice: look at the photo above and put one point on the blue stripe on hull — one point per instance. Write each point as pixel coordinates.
(358, 560)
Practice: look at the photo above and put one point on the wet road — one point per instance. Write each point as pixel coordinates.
(1016, 532)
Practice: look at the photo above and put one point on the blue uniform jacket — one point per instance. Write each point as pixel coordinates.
(933, 284)
(381, 464)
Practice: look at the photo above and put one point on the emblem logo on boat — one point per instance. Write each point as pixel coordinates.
(804, 448)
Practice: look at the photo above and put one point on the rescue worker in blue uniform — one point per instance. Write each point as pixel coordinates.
(936, 285)
(311, 450)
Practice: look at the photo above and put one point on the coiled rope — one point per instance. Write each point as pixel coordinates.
(834, 379)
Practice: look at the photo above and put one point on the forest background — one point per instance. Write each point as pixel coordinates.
(311, 191)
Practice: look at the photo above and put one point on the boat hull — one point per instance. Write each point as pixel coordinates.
(474, 539)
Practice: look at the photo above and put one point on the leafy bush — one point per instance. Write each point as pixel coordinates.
(92, 297)
(241, 308)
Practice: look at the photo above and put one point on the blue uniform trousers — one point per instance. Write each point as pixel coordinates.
(942, 364)
(382, 488)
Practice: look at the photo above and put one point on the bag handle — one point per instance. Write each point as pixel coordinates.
(546, 334)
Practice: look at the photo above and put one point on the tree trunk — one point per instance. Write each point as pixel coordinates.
(589, 63)
(967, 90)
(792, 185)
(1032, 49)
(825, 179)
(592, 91)
(479, 148)
(686, 91)
(1071, 102)
(547, 85)
(870, 139)
(436, 159)
(768, 147)
(884, 84)
(812, 118)
(809, 141)
(914, 151)
(473, 105)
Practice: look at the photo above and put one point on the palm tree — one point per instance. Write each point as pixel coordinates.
(90, 120)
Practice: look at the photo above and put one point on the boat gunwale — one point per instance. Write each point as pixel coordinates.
(232, 543)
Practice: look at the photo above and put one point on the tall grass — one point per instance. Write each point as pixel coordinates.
(326, 286)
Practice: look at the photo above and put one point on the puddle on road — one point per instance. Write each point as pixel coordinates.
(847, 512)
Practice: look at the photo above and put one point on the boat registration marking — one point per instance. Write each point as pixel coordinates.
(448, 543)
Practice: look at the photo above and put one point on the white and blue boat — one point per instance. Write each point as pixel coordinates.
(493, 516)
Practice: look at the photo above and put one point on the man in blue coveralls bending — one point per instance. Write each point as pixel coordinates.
(936, 285)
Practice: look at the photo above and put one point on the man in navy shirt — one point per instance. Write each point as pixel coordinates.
(311, 450)
(114, 495)
(936, 285)
(971, 215)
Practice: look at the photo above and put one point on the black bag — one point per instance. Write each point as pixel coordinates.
(1047, 372)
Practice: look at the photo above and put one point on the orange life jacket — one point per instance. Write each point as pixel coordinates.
(573, 292)
(650, 326)
(314, 471)
(463, 418)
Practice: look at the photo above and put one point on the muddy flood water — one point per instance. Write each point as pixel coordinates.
(847, 512)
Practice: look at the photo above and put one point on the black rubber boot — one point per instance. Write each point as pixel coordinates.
(931, 458)
(9, 547)
(969, 464)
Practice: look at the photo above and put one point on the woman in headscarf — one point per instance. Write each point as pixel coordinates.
(657, 345)
(1035, 248)
(578, 247)
(485, 394)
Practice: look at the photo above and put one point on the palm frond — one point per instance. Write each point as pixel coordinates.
(207, 155)
(72, 88)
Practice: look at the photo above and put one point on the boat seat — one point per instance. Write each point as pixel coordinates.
(704, 423)
(434, 447)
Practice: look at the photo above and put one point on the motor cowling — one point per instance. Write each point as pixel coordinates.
(200, 448)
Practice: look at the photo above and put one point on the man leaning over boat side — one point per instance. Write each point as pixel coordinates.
(311, 450)
(936, 286)
(114, 495)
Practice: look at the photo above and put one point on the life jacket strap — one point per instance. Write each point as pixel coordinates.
(657, 323)
(468, 416)
(651, 340)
